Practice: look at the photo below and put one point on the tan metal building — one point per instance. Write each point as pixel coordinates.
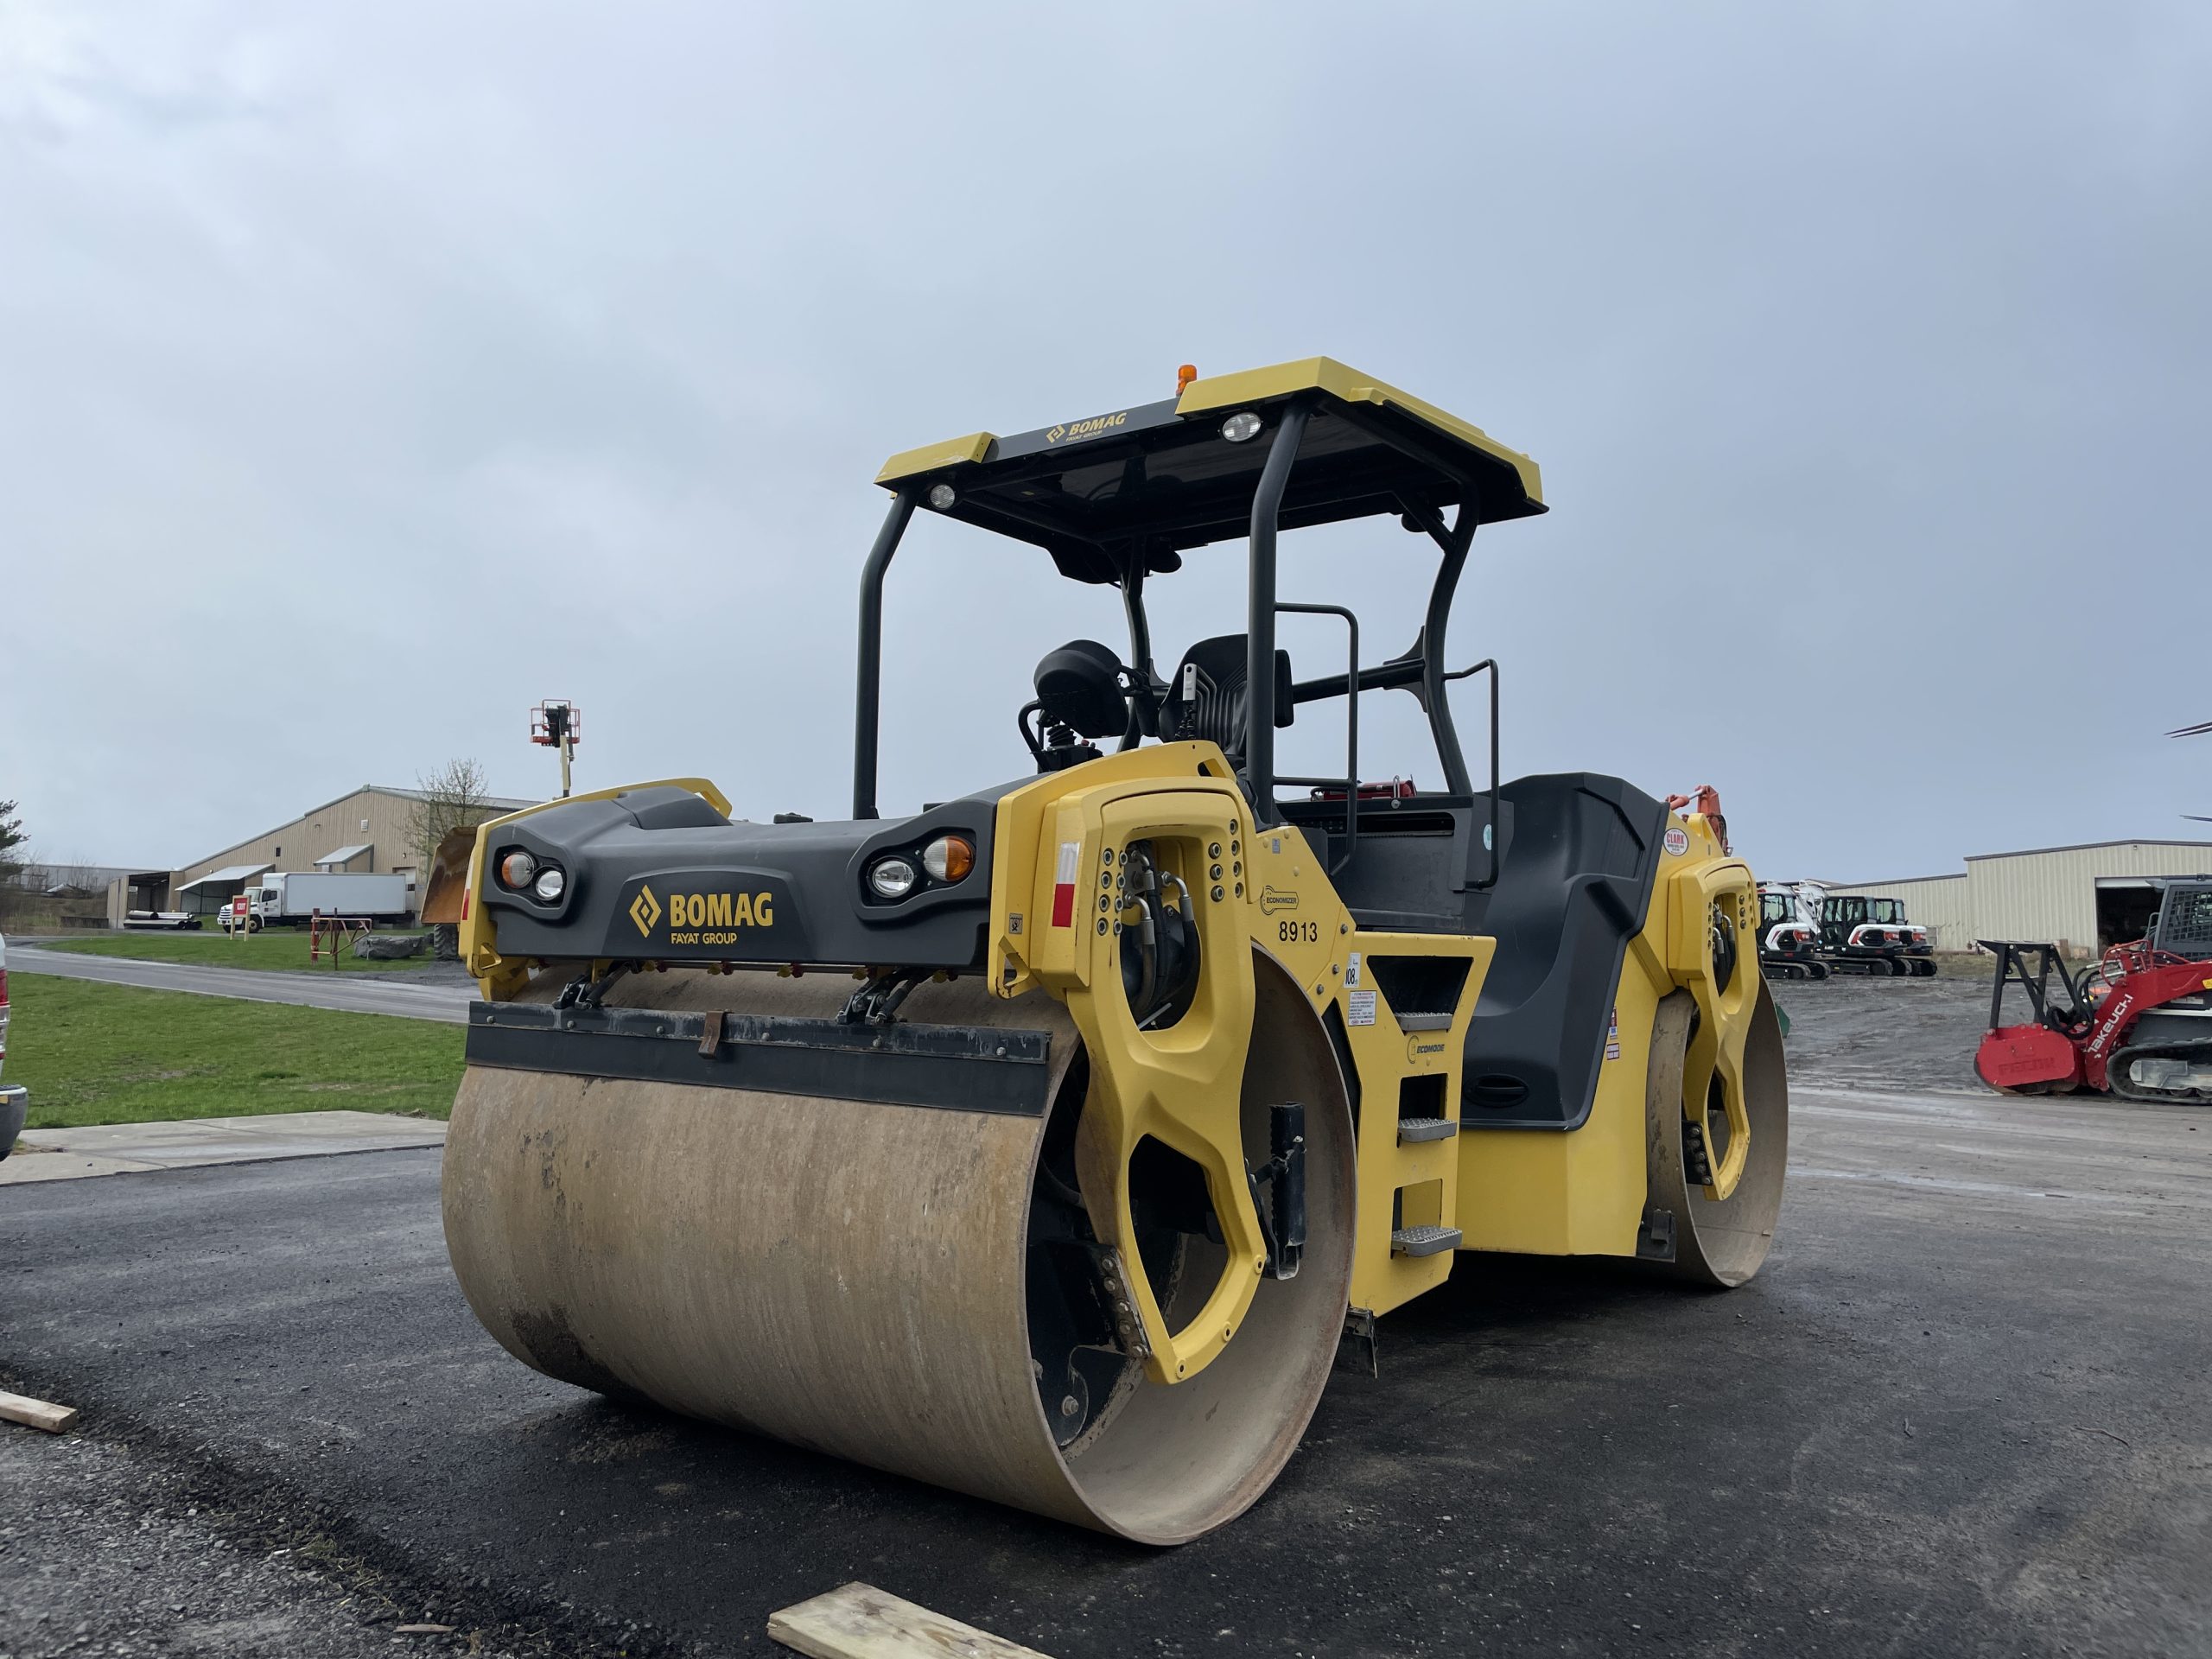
(1938, 903)
(2084, 897)
(366, 830)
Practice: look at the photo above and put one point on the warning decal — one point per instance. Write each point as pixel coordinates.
(1359, 1009)
(1064, 883)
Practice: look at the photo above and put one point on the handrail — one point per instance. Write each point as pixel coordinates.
(1493, 832)
(1400, 673)
(1352, 731)
(1411, 674)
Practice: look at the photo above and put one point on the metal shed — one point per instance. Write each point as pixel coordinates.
(206, 894)
(2077, 895)
(2084, 897)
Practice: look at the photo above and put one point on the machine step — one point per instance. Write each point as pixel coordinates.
(1424, 1241)
(1427, 1129)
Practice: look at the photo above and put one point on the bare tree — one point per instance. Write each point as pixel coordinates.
(77, 875)
(452, 798)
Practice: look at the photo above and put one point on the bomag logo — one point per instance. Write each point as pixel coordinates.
(721, 914)
(1274, 898)
(1089, 428)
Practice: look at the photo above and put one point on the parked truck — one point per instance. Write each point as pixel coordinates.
(288, 898)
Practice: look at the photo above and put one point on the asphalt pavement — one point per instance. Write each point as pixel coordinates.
(1966, 1408)
(355, 993)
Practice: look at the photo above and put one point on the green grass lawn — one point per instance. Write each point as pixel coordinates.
(95, 1053)
(278, 949)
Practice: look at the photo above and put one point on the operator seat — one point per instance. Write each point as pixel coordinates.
(1081, 695)
(1206, 699)
(1080, 686)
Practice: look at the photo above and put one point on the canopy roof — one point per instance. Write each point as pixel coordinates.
(227, 876)
(1160, 476)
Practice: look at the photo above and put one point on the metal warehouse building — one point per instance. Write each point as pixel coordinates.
(2085, 897)
(364, 831)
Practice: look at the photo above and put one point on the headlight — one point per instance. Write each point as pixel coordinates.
(942, 496)
(549, 884)
(891, 878)
(949, 858)
(1240, 426)
(516, 868)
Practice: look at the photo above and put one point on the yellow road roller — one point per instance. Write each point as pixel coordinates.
(1051, 1142)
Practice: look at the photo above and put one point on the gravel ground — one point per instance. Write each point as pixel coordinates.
(107, 1550)
(1856, 1032)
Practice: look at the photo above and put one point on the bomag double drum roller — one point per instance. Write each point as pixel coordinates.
(1046, 1143)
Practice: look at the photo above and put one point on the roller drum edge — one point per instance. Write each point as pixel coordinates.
(1720, 1243)
(850, 1277)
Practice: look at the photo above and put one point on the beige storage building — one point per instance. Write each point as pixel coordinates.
(2085, 897)
(365, 830)
(1938, 903)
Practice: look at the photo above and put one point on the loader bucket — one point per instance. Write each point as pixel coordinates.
(443, 893)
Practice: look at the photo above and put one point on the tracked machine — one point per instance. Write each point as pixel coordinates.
(1790, 946)
(2136, 1023)
(1047, 1143)
(1860, 935)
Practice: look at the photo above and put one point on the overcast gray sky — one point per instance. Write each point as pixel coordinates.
(369, 373)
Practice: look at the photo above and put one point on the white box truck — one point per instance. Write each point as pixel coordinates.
(288, 898)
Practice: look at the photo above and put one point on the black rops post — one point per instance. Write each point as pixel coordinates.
(867, 707)
(1260, 622)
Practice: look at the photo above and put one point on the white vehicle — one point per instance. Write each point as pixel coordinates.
(1854, 934)
(290, 898)
(1788, 943)
(1874, 935)
(15, 1103)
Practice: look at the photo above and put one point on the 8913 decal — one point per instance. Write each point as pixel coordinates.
(1298, 932)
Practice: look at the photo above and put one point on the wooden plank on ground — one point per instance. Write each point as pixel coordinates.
(36, 1413)
(859, 1621)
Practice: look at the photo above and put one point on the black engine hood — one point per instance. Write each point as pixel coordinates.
(658, 875)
